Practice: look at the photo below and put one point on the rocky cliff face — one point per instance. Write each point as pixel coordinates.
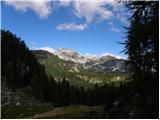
(69, 54)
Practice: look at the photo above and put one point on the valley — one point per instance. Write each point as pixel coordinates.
(78, 59)
(83, 73)
(39, 82)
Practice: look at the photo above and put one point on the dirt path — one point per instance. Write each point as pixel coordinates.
(54, 112)
(69, 112)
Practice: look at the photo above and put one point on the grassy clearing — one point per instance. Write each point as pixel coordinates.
(23, 111)
(47, 112)
(74, 112)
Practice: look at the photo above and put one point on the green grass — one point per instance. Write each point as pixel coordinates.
(14, 112)
(47, 112)
(76, 112)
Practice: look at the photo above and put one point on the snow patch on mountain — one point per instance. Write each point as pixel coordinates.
(51, 50)
(71, 55)
(109, 54)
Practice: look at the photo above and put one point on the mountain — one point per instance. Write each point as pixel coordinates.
(74, 61)
(111, 65)
(107, 64)
(94, 71)
(70, 55)
(55, 65)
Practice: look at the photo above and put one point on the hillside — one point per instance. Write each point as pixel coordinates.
(94, 63)
(54, 64)
(67, 66)
(76, 73)
(23, 80)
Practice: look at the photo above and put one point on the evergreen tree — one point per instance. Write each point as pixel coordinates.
(142, 38)
(19, 66)
(142, 47)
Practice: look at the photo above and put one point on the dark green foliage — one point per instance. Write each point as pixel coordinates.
(14, 57)
(61, 93)
(19, 67)
(142, 38)
(143, 50)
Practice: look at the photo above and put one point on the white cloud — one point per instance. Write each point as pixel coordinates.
(42, 8)
(72, 27)
(65, 3)
(97, 11)
(113, 28)
(90, 55)
(122, 18)
(49, 49)
(110, 54)
(91, 11)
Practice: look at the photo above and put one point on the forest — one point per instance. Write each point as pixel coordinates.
(137, 98)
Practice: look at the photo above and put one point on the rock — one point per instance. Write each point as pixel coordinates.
(131, 113)
(21, 115)
(115, 103)
(36, 116)
(29, 109)
(136, 95)
(18, 103)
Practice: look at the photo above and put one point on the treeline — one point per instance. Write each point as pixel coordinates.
(61, 93)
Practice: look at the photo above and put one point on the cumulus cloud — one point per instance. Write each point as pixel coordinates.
(100, 10)
(64, 3)
(72, 27)
(97, 11)
(91, 10)
(41, 8)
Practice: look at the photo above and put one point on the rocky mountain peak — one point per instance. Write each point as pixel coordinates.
(71, 55)
(104, 59)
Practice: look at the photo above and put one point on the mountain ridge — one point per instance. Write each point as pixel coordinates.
(72, 55)
(103, 64)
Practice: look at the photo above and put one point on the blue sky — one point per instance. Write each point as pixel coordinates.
(87, 27)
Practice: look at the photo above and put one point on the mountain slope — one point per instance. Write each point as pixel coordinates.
(55, 65)
(23, 79)
(19, 66)
(76, 73)
(69, 54)
(105, 63)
